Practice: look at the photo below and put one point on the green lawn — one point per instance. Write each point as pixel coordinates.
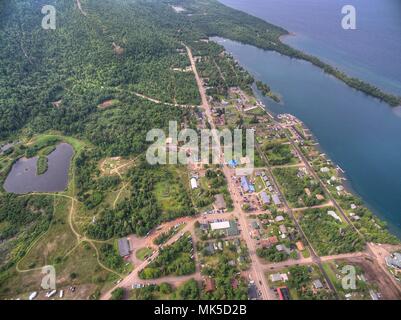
(143, 253)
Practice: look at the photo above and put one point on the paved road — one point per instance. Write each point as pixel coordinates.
(256, 271)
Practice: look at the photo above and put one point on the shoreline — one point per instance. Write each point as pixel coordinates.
(346, 181)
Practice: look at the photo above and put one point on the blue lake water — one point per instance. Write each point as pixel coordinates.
(359, 133)
(371, 52)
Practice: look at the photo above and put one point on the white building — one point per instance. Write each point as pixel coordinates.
(334, 215)
(220, 225)
(194, 183)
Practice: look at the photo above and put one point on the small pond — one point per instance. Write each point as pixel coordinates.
(23, 178)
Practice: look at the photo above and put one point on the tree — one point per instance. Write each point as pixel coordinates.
(118, 294)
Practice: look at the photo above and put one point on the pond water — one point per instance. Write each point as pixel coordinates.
(23, 178)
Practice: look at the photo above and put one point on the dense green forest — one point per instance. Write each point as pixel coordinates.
(55, 79)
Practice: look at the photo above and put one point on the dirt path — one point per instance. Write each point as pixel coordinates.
(78, 2)
(160, 102)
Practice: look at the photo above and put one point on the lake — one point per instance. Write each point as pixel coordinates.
(372, 52)
(23, 179)
(357, 132)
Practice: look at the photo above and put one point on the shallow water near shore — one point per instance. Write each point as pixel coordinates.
(357, 132)
(23, 179)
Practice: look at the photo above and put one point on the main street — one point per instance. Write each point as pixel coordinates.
(256, 271)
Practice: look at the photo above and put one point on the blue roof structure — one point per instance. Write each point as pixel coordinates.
(232, 163)
(265, 197)
(244, 184)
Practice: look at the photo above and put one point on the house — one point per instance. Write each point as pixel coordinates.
(252, 292)
(275, 277)
(317, 284)
(334, 215)
(210, 285)
(244, 184)
(124, 247)
(353, 206)
(394, 261)
(282, 247)
(279, 277)
(324, 170)
(279, 218)
(265, 198)
(267, 243)
(194, 183)
(339, 188)
(276, 199)
(300, 246)
(282, 229)
(219, 202)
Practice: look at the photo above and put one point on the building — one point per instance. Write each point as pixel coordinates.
(276, 199)
(265, 198)
(334, 215)
(279, 218)
(317, 284)
(220, 225)
(194, 183)
(278, 277)
(300, 246)
(275, 277)
(124, 247)
(283, 293)
(267, 243)
(282, 229)
(394, 261)
(244, 184)
(228, 227)
(219, 202)
(232, 163)
(252, 292)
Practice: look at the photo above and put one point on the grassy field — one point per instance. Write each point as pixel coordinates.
(143, 253)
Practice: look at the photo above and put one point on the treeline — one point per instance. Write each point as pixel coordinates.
(172, 260)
